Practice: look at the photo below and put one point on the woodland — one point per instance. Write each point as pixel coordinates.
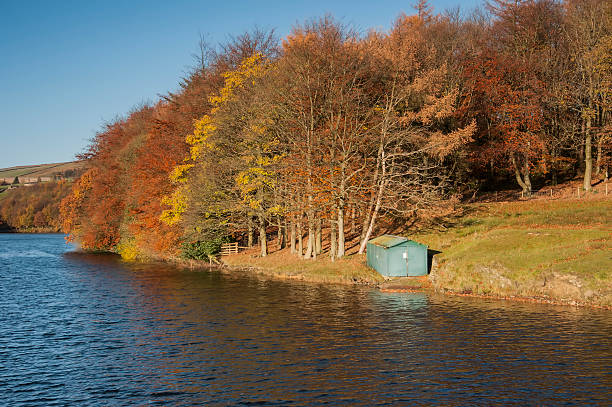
(332, 131)
(33, 209)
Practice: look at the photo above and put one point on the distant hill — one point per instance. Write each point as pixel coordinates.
(46, 172)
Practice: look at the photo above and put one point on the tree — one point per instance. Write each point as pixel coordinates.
(413, 121)
(507, 106)
(589, 22)
(205, 200)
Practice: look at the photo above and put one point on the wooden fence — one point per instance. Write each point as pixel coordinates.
(229, 248)
(600, 189)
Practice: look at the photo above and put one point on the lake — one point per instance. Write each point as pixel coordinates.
(79, 329)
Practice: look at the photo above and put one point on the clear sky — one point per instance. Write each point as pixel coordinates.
(66, 67)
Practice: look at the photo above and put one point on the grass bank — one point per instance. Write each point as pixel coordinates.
(555, 250)
(282, 264)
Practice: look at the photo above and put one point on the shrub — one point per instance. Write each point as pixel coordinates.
(203, 250)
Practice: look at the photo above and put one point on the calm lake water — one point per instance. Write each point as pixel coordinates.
(80, 329)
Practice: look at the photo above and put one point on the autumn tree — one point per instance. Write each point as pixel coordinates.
(589, 25)
(209, 187)
(413, 124)
(324, 105)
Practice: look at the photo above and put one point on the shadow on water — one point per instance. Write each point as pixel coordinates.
(106, 259)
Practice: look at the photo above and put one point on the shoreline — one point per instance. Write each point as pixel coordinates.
(38, 231)
(551, 252)
(394, 285)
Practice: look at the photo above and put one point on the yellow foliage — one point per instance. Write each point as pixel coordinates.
(128, 250)
(179, 173)
(203, 128)
(177, 203)
(276, 210)
(252, 67)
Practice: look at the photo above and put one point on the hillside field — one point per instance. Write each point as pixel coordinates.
(39, 170)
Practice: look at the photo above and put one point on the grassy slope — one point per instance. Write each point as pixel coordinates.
(560, 250)
(554, 249)
(40, 170)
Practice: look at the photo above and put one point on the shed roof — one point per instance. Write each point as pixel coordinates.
(388, 241)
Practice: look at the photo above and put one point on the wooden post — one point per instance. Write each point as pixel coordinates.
(551, 192)
(578, 192)
(521, 194)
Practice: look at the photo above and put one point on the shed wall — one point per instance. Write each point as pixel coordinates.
(417, 259)
(397, 262)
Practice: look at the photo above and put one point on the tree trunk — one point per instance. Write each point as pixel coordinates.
(292, 236)
(373, 197)
(517, 174)
(580, 158)
(526, 176)
(588, 158)
(332, 239)
(554, 179)
(263, 241)
(379, 197)
(313, 244)
(310, 249)
(318, 237)
(250, 234)
(300, 240)
(340, 231)
(285, 233)
(280, 242)
(364, 242)
(600, 140)
(599, 148)
(341, 207)
(310, 252)
(366, 217)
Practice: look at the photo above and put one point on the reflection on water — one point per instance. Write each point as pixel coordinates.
(91, 330)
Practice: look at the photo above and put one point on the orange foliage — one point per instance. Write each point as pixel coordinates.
(35, 207)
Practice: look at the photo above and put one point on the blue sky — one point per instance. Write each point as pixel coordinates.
(66, 67)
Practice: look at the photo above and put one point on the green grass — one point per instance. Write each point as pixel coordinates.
(39, 170)
(18, 172)
(530, 244)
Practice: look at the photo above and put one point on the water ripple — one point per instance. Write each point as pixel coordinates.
(77, 329)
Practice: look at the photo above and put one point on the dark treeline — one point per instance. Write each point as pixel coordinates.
(330, 130)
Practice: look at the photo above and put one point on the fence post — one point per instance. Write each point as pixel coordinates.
(551, 192)
(521, 194)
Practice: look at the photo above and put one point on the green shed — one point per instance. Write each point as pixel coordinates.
(396, 256)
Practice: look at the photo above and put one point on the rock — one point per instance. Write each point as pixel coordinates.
(564, 286)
